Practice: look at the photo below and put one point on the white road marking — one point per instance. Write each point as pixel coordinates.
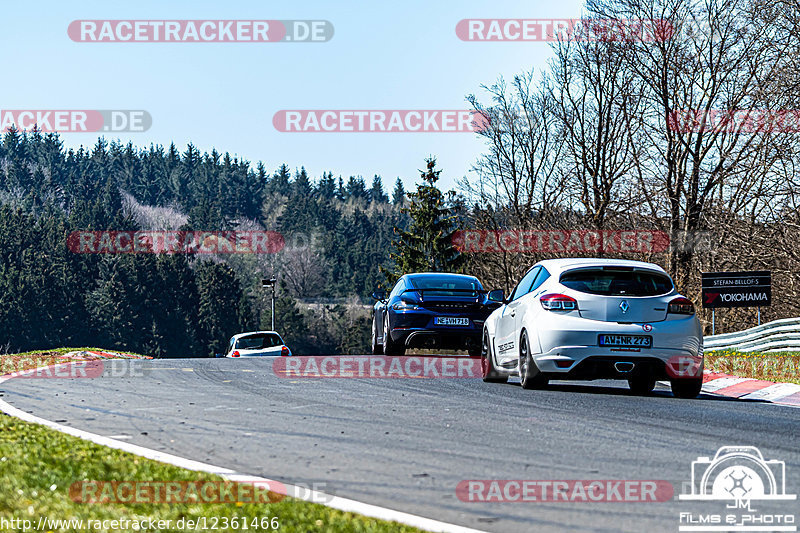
(773, 392)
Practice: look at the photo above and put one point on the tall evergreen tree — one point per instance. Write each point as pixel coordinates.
(327, 186)
(280, 183)
(399, 194)
(356, 188)
(376, 194)
(426, 246)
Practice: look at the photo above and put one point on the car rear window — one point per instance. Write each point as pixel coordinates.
(256, 342)
(446, 285)
(609, 282)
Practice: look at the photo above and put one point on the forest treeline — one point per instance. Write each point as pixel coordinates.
(336, 234)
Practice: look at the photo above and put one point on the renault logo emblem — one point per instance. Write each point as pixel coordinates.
(624, 306)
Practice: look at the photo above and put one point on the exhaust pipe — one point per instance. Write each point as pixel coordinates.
(623, 367)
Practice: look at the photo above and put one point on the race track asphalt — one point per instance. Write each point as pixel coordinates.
(405, 444)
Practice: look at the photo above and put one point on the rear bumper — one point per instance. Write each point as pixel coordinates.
(584, 363)
(447, 339)
(569, 349)
(416, 329)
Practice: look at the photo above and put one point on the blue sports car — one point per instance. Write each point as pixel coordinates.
(430, 310)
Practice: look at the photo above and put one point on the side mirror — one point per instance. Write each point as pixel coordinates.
(496, 296)
(379, 295)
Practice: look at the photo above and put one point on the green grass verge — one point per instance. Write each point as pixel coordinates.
(38, 465)
(770, 366)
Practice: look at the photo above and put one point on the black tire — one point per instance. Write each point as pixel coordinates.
(529, 375)
(389, 346)
(642, 385)
(687, 388)
(488, 370)
(377, 349)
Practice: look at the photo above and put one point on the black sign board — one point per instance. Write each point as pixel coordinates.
(737, 289)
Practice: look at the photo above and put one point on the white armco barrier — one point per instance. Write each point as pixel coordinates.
(775, 336)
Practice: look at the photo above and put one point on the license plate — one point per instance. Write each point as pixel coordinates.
(632, 341)
(450, 321)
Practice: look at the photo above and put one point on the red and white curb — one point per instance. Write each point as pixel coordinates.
(81, 354)
(751, 389)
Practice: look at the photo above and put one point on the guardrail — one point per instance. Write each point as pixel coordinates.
(775, 336)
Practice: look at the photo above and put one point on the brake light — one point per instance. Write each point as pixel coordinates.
(558, 302)
(235, 353)
(681, 306)
(285, 351)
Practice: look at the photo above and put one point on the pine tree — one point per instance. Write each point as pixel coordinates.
(376, 194)
(356, 188)
(327, 186)
(341, 193)
(280, 180)
(399, 194)
(426, 246)
(302, 188)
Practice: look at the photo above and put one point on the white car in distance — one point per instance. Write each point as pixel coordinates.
(583, 319)
(257, 344)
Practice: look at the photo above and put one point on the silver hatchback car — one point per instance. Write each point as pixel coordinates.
(595, 319)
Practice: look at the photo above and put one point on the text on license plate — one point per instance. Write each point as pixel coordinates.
(450, 321)
(635, 341)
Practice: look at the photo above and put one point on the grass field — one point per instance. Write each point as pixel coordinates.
(39, 466)
(773, 366)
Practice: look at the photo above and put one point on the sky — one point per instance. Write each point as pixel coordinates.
(382, 56)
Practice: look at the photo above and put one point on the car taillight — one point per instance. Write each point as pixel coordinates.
(235, 354)
(285, 351)
(558, 302)
(681, 306)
